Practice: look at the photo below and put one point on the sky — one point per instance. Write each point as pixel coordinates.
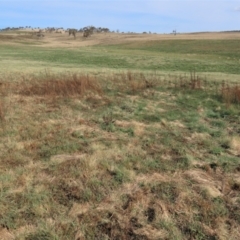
(158, 16)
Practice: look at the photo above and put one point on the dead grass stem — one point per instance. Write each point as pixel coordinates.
(2, 110)
(64, 85)
(231, 95)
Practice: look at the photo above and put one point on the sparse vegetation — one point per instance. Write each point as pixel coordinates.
(121, 154)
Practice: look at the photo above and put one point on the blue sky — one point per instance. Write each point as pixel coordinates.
(161, 16)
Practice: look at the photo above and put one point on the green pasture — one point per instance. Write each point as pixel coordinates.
(205, 56)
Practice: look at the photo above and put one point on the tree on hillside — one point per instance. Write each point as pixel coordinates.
(73, 32)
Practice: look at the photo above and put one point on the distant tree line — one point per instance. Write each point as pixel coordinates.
(90, 29)
(87, 31)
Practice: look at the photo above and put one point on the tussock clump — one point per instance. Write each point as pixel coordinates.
(235, 145)
(134, 82)
(185, 83)
(2, 101)
(2, 110)
(64, 85)
(231, 95)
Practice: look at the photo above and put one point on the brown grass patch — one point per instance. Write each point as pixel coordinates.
(206, 182)
(235, 145)
(6, 235)
(11, 38)
(231, 95)
(134, 82)
(2, 110)
(64, 85)
(2, 101)
(127, 221)
(139, 127)
(177, 124)
(63, 40)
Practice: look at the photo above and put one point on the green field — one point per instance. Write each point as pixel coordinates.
(214, 56)
(135, 140)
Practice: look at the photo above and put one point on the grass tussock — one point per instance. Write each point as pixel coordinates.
(231, 95)
(2, 102)
(65, 85)
(133, 82)
(2, 110)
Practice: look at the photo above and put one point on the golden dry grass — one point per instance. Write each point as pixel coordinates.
(61, 85)
(64, 40)
(231, 94)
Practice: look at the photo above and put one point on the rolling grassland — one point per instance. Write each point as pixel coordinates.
(120, 136)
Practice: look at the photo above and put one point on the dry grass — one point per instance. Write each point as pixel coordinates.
(2, 101)
(122, 155)
(235, 145)
(64, 85)
(2, 110)
(15, 38)
(63, 40)
(231, 95)
(139, 166)
(134, 82)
